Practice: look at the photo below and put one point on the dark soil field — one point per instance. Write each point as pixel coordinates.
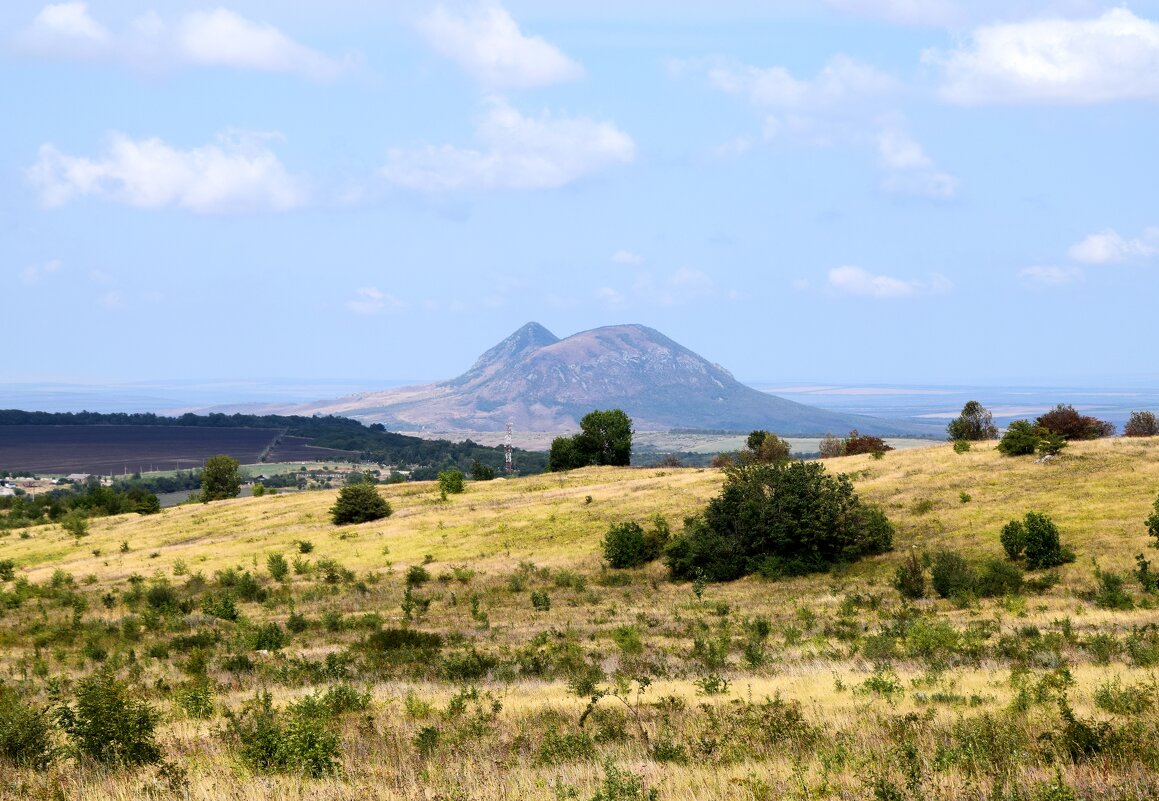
(298, 449)
(110, 450)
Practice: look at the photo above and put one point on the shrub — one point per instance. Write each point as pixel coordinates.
(357, 503)
(109, 723)
(278, 566)
(1153, 524)
(831, 446)
(267, 637)
(973, 424)
(451, 481)
(961, 446)
(25, 737)
(482, 472)
(1021, 438)
(1110, 592)
(1141, 424)
(1036, 539)
(951, 575)
(299, 740)
(791, 519)
(997, 577)
(1069, 424)
(857, 443)
(195, 699)
(910, 578)
(417, 575)
(1051, 444)
(628, 545)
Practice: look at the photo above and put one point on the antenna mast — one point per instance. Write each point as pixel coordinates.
(507, 460)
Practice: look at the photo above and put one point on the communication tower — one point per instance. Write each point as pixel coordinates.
(507, 460)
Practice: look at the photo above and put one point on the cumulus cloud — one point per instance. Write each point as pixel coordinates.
(857, 281)
(516, 152)
(237, 173)
(610, 297)
(489, 46)
(841, 81)
(33, 273)
(218, 38)
(1109, 247)
(1112, 57)
(371, 300)
(627, 257)
(908, 170)
(1050, 276)
(843, 101)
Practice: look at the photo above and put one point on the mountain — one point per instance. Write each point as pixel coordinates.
(543, 383)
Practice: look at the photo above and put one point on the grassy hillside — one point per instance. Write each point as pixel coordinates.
(822, 687)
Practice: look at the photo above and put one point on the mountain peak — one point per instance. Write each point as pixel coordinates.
(528, 338)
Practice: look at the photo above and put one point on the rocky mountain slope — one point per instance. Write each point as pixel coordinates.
(543, 383)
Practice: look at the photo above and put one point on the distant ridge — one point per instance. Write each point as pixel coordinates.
(543, 383)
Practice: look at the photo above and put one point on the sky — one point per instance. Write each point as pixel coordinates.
(848, 191)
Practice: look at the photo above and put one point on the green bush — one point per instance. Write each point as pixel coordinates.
(1021, 438)
(1141, 424)
(451, 481)
(974, 423)
(357, 503)
(267, 637)
(1153, 524)
(778, 520)
(1035, 539)
(951, 575)
(629, 545)
(25, 734)
(109, 723)
(910, 579)
(299, 740)
(278, 566)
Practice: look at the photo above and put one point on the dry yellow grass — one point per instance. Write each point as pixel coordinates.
(1097, 492)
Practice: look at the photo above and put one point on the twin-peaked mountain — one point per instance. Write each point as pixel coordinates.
(543, 383)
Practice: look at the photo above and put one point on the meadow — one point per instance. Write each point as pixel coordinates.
(477, 647)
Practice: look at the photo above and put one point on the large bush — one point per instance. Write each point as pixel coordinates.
(779, 520)
(973, 424)
(359, 503)
(1069, 424)
(1035, 539)
(24, 731)
(109, 723)
(1021, 438)
(1153, 524)
(629, 545)
(605, 438)
(301, 739)
(1141, 424)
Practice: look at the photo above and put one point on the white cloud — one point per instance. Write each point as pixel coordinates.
(33, 273)
(113, 299)
(1050, 276)
(65, 29)
(518, 152)
(840, 82)
(1109, 247)
(238, 173)
(218, 38)
(222, 38)
(371, 300)
(1108, 58)
(627, 257)
(489, 45)
(908, 170)
(857, 281)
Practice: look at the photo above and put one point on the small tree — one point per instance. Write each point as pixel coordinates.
(1141, 424)
(1065, 421)
(220, 478)
(831, 447)
(451, 481)
(482, 472)
(766, 447)
(1021, 438)
(605, 438)
(973, 424)
(359, 503)
(110, 723)
(629, 545)
(857, 443)
(910, 579)
(1035, 538)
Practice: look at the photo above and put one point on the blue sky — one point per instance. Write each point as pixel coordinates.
(882, 191)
